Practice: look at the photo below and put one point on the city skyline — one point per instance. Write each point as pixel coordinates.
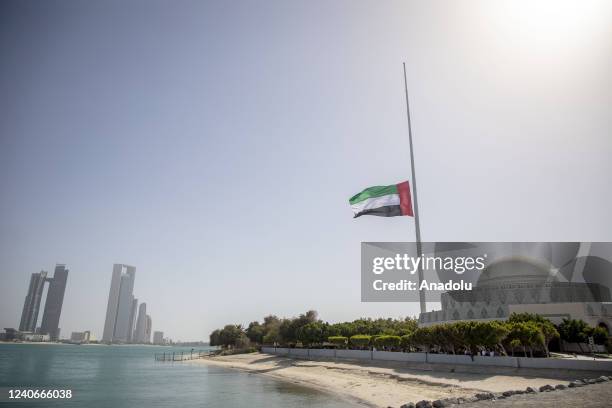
(215, 147)
(136, 328)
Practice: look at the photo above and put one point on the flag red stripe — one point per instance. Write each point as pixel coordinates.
(403, 189)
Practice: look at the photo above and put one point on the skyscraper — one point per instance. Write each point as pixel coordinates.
(29, 315)
(54, 301)
(120, 305)
(148, 327)
(141, 324)
(132, 321)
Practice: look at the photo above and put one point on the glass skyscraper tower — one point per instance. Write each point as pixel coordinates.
(120, 308)
(53, 303)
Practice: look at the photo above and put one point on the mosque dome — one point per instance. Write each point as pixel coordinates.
(515, 270)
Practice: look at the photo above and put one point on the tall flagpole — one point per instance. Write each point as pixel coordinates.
(414, 194)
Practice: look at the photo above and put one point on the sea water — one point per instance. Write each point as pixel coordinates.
(128, 376)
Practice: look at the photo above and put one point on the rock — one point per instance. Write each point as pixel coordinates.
(508, 393)
(498, 396)
(408, 405)
(591, 381)
(484, 396)
(604, 378)
(530, 390)
(423, 404)
(438, 404)
(546, 388)
(560, 387)
(466, 400)
(576, 383)
(518, 392)
(599, 380)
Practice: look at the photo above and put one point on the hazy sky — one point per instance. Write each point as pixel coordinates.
(214, 145)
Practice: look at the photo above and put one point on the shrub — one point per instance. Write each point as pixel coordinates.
(387, 341)
(338, 341)
(360, 340)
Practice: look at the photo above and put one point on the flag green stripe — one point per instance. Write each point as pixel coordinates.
(371, 192)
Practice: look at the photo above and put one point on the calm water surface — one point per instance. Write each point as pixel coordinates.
(128, 376)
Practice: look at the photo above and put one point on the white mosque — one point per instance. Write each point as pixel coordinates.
(527, 283)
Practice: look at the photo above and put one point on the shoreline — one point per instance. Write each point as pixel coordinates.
(383, 384)
(287, 379)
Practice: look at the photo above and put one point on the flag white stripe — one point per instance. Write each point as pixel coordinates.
(376, 202)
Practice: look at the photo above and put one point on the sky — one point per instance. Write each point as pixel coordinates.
(215, 145)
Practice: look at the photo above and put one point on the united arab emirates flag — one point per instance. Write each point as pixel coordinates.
(383, 201)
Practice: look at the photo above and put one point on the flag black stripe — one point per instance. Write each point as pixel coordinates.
(386, 211)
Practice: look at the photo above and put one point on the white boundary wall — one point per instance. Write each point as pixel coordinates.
(391, 356)
(322, 353)
(457, 359)
(354, 354)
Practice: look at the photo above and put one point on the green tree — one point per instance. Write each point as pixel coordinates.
(423, 337)
(406, 342)
(272, 336)
(288, 328)
(600, 335)
(514, 343)
(215, 338)
(490, 335)
(528, 334)
(549, 332)
(255, 332)
(230, 335)
(242, 342)
(311, 333)
(574, 331)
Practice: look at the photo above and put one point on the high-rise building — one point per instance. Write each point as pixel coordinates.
(132, 321)
(31, 306)
(54, 301)
(148, 327)
(158, 337)
(120, 305)
(141, 324)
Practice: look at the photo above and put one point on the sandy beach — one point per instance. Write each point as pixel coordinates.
(388, 384)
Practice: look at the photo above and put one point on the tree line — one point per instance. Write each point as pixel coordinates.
(525, 332)
(306, 330)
